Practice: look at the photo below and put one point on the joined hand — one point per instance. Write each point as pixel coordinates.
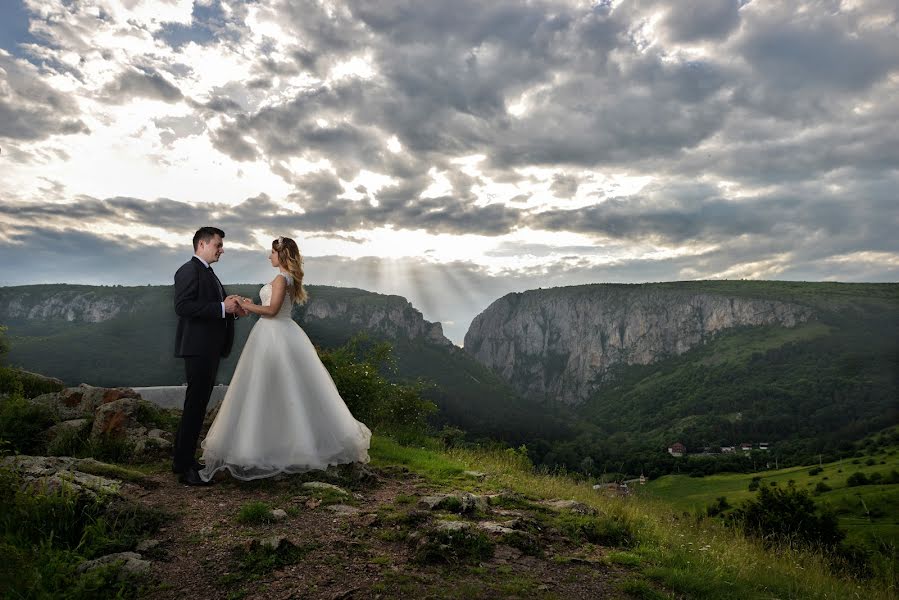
(233, 305)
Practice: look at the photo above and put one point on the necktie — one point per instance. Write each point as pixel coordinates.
(221, 289)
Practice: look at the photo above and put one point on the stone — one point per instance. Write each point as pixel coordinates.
(321, 485)
(431, 502)
(442, 525)
(81, 402)
(133, 563)
(369, 520)
(343, 510)
(274, 542)
(491, 527)
(462, 503)
(52, 473)
(570, 505)
(279, 514)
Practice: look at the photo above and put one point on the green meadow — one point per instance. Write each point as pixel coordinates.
(868, 511)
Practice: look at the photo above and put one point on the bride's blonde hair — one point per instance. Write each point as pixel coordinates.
(292, 262)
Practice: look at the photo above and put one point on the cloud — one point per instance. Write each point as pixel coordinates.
(31, 109)
(143, 82)
(551, 142)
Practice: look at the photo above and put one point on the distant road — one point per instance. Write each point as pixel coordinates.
(172, 396)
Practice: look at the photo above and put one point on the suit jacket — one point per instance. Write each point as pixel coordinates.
(201, 329)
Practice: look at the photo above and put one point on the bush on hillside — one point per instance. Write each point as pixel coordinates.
(857, 478)
(788, 515)
(22, 424)
(359, 370)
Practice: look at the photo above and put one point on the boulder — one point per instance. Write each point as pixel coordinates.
(81, 402)
(570, 505)
(343, 510)
(441, 525)
(53, 473)
(320, 485)
(119, 419)
(460, 503)
(133, 563)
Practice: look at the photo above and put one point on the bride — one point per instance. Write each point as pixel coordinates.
(282, 412)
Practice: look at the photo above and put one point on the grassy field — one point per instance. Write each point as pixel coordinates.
(865, 511)
(693, 558)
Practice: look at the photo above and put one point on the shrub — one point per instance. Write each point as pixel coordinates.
(608, 530)
(359, 370)
(814, 471)
(23, 423)
(28, 384)
(857, 478)
(71, 441)
(788, 515)
(718, 507)
(822, 487)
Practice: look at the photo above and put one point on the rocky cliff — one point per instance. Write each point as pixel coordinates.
(390, 316)
(557, 344)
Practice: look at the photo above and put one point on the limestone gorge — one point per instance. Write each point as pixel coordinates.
(557, 344)
(391, 316)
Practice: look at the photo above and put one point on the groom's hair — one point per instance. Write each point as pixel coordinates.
(205, 234)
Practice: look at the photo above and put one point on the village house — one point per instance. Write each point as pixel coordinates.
(745, 447)
(728, 449)
(677, 449)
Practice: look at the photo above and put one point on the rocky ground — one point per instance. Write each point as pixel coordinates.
(381, 533)
(356, 531)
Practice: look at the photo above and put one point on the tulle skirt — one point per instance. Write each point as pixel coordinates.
(282, 412)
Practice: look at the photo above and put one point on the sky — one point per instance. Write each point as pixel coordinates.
(451, 152)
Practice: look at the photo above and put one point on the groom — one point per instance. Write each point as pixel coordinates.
(205, 334)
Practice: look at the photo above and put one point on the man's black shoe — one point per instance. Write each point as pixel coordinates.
(191, 477)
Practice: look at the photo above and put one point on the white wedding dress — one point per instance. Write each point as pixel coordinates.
(282, 412)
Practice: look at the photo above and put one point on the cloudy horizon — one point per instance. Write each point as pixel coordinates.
(451, 152)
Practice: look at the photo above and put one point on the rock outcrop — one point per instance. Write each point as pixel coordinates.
(557, 344)
(112, 413)
(391, 316)
(387, 315)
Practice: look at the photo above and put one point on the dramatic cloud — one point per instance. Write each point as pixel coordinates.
(454, 151)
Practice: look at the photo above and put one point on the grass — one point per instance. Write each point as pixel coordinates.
(255, 560)
(865, 511)
(255, 512)
(37, 561)
(699, 559)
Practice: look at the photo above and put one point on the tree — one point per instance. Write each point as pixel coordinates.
(785, 514)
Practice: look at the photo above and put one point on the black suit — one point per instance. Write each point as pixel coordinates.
(203, 337)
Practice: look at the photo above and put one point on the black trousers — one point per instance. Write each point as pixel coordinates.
(200, 372)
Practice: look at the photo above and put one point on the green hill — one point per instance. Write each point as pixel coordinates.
(135, 348)
(867, 507)
(808, 390)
